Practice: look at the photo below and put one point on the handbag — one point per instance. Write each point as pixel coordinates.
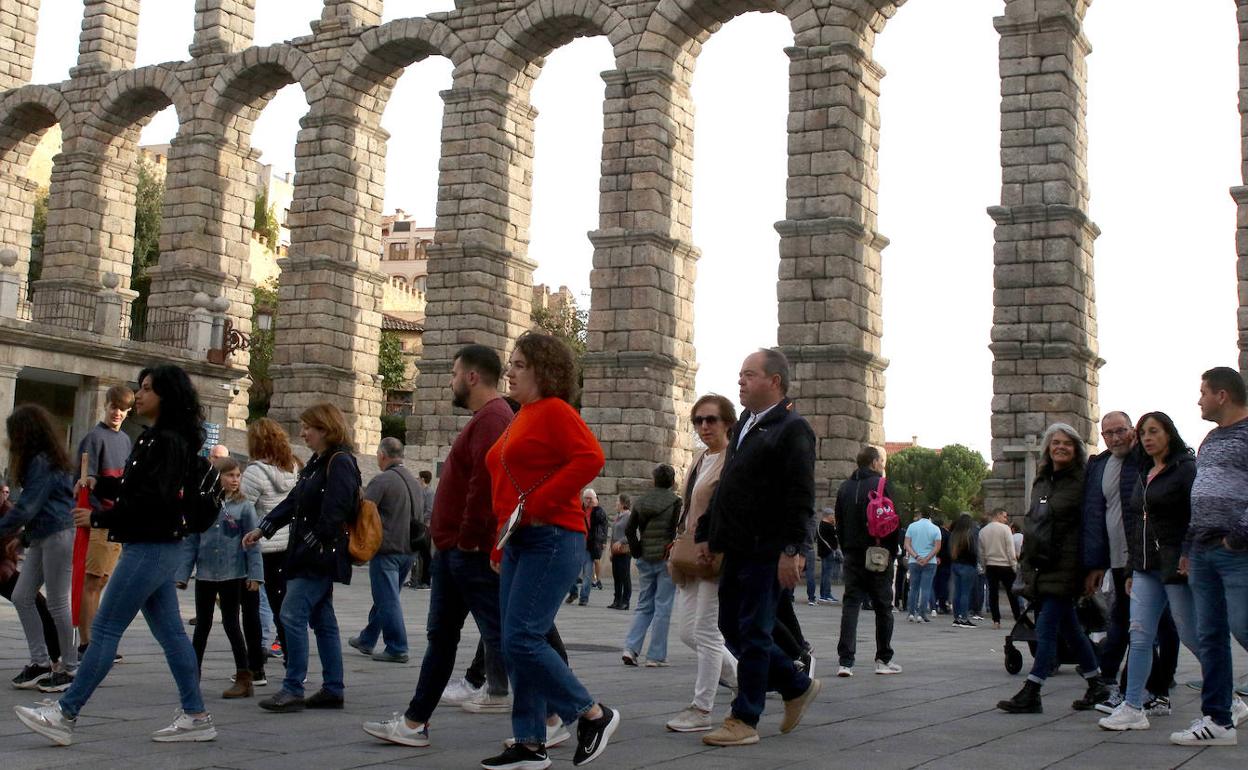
(364, 532)
(683, 552)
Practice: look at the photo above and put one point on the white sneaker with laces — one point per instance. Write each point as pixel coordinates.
(1239, 711)
(484, 703)
(1205, 732)
(844, 672)
(1125, 717)
(186, 728)
(691, 720)
(459, 691)
(887, 668)
(555, 735)
(395, 730)
(47, 719)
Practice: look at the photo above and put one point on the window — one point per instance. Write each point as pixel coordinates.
(402, 227)
(398, 250)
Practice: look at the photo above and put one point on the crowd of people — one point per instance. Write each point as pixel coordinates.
(514, 531)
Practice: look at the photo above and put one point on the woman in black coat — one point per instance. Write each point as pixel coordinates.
(1052, 570)
(318, 509)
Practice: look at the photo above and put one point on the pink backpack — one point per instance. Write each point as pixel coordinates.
(882, 518)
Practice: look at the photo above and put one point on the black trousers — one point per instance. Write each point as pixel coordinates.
(41, 604)
(275, 590)
(862, 584)
(475, 675)
(622, 576)
(998, 578)
(245, 641)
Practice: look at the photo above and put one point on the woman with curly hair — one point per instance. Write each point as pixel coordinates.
(538, 468)
(39, 463)
(148, 521)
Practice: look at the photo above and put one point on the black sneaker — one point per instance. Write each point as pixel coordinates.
(57, 681)
(258, 678)
(592, 736)
(30, 676)
(518, 757)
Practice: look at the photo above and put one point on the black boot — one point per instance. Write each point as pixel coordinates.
(1097, 692)
(1027, 701)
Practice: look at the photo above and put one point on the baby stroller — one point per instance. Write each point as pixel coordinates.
(1093, 612)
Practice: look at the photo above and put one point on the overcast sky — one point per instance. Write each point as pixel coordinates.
(1164, 150)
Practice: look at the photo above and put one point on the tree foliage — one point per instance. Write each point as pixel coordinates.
(570, 324)
(260, 395)
(266, 223)
(390, 364)
(149, 195)
(946, 482)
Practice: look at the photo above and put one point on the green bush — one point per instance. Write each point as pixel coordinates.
(395, 426)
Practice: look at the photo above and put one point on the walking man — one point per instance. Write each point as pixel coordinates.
(996, 556)
(395, 491)
(760, 520)
(462, 528)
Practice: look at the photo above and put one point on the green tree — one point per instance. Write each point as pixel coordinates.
(38, 231)
(910, 475)
(947, 482)
(266, 223)
(149, 194)
(260, 395)
(570, 324)
(390, 364)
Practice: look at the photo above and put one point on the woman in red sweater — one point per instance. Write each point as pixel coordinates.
(537, 470)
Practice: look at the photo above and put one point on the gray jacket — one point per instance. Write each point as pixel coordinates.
(397, 495)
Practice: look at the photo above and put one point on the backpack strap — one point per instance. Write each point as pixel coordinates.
(879, 488)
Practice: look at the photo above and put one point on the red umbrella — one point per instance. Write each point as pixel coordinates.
(81, 538)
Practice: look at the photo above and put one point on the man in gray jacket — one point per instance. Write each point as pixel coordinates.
(397, 495)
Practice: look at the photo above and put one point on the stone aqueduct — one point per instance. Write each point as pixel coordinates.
(640, 369)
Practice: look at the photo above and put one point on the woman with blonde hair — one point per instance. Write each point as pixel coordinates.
(317, 511)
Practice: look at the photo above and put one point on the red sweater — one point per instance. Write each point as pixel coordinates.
(463, 516)
(547, 435)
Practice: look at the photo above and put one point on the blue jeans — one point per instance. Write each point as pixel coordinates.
(585, 571)
(749, 591)
(538, 565)
(310, 602)
(1057, 618)
(267, 630)
(1149, 599)
(142, 581)
(811, 578)
(461, 583)
(829, 569)
(964, 577)
(654, 610)
(385, 618)
(1219, 581)
(921, 577)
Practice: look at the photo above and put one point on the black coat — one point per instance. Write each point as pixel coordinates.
(1062, 574)
(147, 498)
(765, 500)
(318, 510)
(851, 513)
(1159, 514)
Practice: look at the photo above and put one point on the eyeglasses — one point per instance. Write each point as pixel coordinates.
(709, 419)
(1115, 433)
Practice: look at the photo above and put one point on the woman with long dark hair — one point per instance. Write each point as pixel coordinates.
(317, 511)
(1052, 571)
(147, 519)
(538, 468)
(39, 463)
(964, 550)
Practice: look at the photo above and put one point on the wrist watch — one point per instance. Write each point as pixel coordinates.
(791, 550)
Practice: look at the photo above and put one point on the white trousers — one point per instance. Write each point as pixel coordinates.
(697, 605)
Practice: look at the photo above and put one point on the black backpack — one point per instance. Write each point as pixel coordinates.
(202, 495)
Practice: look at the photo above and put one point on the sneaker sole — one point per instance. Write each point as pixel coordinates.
(33, 684)
(57, 688)
(1122, 728)
(686, 729)
(524, 764)
(1101, 707)
(1232, 741)
(388, 738)
(60, 739)
(607, 732)
(198, 736)
(478, 708)
(844, 674)
(747, 741)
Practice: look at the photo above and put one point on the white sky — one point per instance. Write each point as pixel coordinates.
(1164, 150)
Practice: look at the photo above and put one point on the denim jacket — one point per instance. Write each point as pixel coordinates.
(44, 505)
(217, 554)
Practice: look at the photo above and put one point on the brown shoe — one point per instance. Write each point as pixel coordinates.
(242, 687)
(794, 708)
(733, 732)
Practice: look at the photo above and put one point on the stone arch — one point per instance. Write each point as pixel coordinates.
(132, 97)
(376, 58)
(529, 35)
(242, 89)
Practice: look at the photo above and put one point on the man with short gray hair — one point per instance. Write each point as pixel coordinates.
(397, 495)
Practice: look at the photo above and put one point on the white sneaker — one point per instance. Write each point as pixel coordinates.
(1239, 711)
(1125, 717)
(1204, 732)
(395, 730)
(887, 668)
(912, 619)
(844, 672)
(459, 691)
(186, 728)
(47, 719)
(657, 664)
(484, 703)
(691, 720)
(555, 735)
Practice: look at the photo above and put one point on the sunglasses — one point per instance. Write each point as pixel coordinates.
(709, 419)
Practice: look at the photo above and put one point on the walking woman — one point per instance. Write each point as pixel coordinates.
(697, 590)
(650, 532)
(317, 511)
(621, 557)
(39, 463)
(537, 469)
(147, 520)
(1051, 569)
(268, 479)
(964, 551)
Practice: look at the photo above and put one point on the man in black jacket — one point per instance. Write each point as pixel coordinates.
(861, 583)
(760, 519)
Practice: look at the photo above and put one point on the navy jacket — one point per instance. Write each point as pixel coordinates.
(317, 510)
(765, 500)
(1095, 548)
(147, 498)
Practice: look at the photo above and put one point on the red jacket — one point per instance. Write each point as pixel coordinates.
(547, 437)
(463, 515)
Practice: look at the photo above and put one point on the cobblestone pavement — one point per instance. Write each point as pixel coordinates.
(938, 713)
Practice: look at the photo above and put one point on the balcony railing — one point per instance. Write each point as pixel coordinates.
(67, 308)
(160, 326)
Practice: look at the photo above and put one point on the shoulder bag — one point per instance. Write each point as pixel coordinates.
(364, 532)
(683, 553)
